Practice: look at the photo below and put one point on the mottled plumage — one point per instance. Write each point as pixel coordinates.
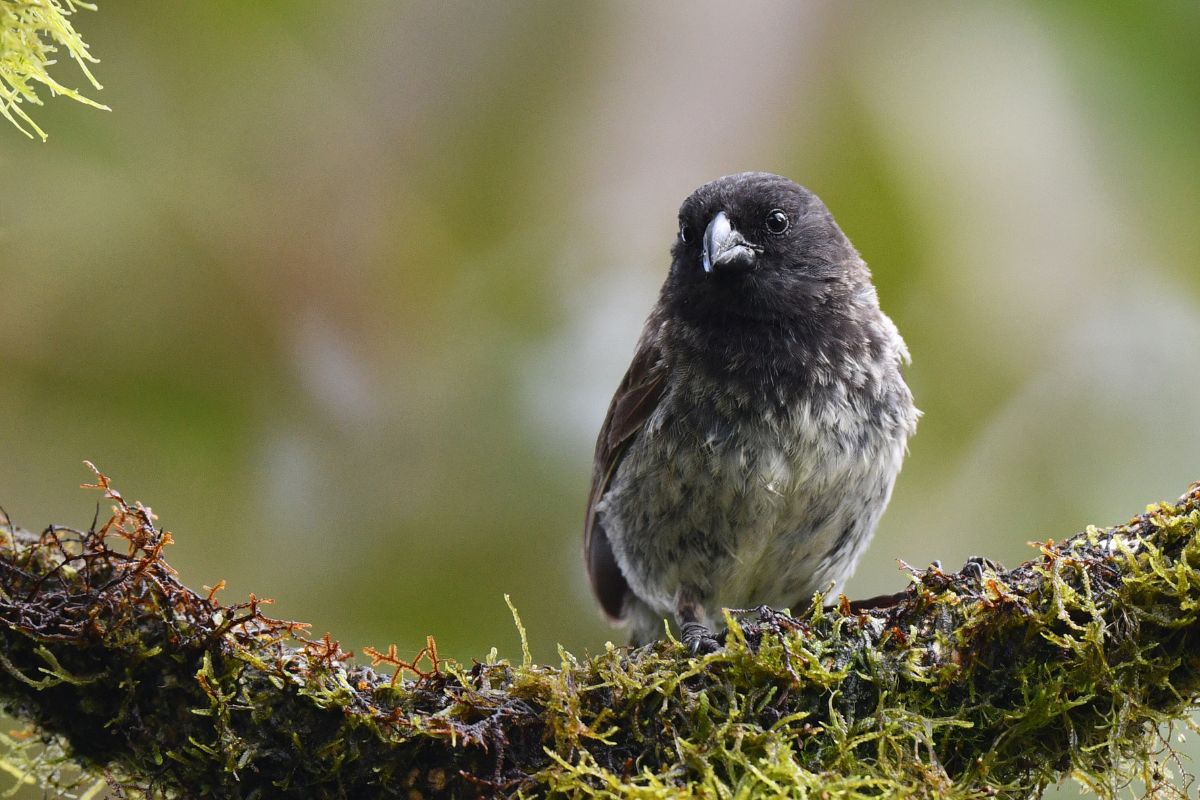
(753, 444)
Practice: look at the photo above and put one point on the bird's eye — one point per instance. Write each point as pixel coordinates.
(777, 221)
(685, 233)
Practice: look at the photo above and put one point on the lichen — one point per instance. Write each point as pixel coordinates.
(982, 683)
(31, 34)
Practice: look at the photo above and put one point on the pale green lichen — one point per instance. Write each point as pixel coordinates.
(32, 32)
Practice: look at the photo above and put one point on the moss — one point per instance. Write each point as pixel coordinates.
(32, 32)
(983, 683)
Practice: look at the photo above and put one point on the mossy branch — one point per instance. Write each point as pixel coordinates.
(978, 684)
(31, 34)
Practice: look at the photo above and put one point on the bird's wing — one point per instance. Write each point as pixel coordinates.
(634, 402)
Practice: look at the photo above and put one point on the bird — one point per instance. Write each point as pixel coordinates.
(754, 442)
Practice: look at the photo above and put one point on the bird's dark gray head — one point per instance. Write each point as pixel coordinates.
(758, 245)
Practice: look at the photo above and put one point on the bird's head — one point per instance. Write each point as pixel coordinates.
(758, 245)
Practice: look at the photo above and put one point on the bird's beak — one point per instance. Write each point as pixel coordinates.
(726, 250)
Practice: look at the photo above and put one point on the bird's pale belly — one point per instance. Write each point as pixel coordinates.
(737, 517)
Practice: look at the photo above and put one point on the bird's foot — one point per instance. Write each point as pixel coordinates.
(880, 602)
(768, 614)
(976, 566)
(698, 639)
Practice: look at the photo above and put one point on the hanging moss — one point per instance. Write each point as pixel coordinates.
(32, 34)
(983, 683)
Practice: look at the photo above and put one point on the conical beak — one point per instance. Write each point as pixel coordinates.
(726, 250)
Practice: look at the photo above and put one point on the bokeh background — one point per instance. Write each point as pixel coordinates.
(342, 289)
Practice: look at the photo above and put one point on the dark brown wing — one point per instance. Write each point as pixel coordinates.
(634, 402)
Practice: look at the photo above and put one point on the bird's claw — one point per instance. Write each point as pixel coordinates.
(698, 639)
(976, 566)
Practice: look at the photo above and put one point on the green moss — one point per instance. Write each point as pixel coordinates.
(32, 32)
(978, 684)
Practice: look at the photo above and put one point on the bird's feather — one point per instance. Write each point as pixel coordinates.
(634, 402)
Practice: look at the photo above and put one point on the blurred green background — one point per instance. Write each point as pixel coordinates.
(342, 289)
